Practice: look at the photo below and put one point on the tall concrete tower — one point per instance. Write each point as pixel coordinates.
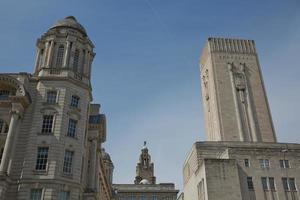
(234, 98)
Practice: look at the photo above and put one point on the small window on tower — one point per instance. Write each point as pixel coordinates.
(75, 101)
(60, 56)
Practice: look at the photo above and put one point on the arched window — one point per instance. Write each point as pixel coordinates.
(60, 56)
(3, 126)
(76, 60)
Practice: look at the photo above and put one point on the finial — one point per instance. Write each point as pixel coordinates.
(145, 143)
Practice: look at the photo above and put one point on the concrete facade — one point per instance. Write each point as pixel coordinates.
(52, 148)
(241, 159)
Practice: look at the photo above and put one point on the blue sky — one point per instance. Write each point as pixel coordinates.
(146, 74)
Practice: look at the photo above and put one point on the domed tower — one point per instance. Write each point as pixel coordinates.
(59, 159)
(65, 51)
(145, 168)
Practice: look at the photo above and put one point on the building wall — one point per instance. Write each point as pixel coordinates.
(225, 176)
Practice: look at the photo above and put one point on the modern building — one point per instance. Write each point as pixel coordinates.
(145, 187)
(241, 158)
(51, 132)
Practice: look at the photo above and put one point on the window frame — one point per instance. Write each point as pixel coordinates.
(60, 197)
(247, 162)
(40, 159)
(36, 189)
(68, 163)
(286, 182)
(60, 56)
(56, 97)
(77, 102)
(47, 128)
(264, 163)
(284, 164)
(72, 131)
(250, 183)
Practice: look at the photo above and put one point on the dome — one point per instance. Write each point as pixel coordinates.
(145, 182)
(70, 22)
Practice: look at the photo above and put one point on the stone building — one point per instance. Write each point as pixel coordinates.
(241, 158)
(51, 132)
(145, 187)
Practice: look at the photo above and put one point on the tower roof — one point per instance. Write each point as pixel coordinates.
(70, 22)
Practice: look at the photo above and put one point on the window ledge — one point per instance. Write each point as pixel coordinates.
(67, 175)
(39, 172)
(75, 108)
(41, 133)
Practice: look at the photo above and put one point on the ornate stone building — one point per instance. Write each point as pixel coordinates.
(51, 133)
(242, 158)
(145, 187)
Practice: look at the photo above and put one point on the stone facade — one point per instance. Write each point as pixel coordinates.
(52, 146)
(241, 159)
(145, 187)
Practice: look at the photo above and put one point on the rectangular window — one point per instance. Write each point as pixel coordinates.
(292, 184)
(289, 184)
(247, 163)
(272, 183)
(67, 169)
(51, 97)
(268, 183)
(285, 184)
(284, 163)
(154, 197)
(264, 183)
(47, 123)
(72, 128)
(264, 163)
(4, 94)
(250, 183)
(36, 194)
(64, 195)
(42, 158)
(75, 101)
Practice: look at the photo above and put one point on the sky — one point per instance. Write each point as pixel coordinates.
(146, 71)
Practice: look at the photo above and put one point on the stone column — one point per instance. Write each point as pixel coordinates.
(93, 163)
(37, 61)
(16, 111)
(45, 54)
(49, 57)
(66, 58)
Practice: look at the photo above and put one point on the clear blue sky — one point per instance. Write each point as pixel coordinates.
(146, 74)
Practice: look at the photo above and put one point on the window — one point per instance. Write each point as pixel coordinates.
(67, 169)
(289, 184)
(47, 123)
(60, 56)
(264, 163)
(4, 94)
(51, 97)
(42, 158)
(75, 101)
(76, 60)
(3, 126)
(284, 163)
(247, 163)
(154, 197)
(64, 195)
(268, 183)
(36, 194)
(72, 128)
(250, 183)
